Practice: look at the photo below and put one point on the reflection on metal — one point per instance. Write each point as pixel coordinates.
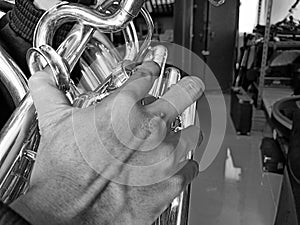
(18, 146)
(12, 77)
(177, 213)
(20, 137)
(16, 158)
(217, 2)
(9, 1)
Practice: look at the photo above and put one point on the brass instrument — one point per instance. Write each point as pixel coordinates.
(20, 137)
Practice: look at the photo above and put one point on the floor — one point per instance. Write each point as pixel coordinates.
(233, 190)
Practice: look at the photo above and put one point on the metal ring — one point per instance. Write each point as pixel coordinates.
(54, 60)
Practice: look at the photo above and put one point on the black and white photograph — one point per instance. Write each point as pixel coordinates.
(149, 112)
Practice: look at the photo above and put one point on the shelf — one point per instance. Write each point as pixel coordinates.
(160, 8)
(283, 33)
(279, 78)
(285, 44)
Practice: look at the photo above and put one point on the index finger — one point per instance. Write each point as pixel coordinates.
(140, 83)
(179, 97)
(46, 96)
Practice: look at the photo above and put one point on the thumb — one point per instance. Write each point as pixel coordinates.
(47, 98)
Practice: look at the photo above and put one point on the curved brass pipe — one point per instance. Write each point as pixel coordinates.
(20, 137)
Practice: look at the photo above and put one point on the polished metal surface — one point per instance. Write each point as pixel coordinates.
(103, 69)
(73, 47)
(66, 12)
(20, 137)
(15, 131)
(12, 77)
(177, 213)
(100, 50)
(18, 146)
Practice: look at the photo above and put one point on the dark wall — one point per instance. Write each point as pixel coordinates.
(214, 34)
(183, 15)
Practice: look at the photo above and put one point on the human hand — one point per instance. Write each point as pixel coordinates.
(114, 163)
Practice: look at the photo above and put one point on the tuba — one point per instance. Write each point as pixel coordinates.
(103, 69)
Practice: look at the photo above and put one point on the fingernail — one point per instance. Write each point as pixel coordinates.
(197, 84)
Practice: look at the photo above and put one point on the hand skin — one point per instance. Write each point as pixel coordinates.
(68, 187)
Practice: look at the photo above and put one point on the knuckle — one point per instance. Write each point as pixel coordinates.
(154, 124)
(149, 68)
(144, 73)
(157, 126)
(150, 125)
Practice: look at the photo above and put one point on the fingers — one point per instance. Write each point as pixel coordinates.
(185, 141)
(140, 83)
(178, 98)
(160, 195)
(161, 162)
(46, 96)
(180, 145)
(173, 150)
(167, 190)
